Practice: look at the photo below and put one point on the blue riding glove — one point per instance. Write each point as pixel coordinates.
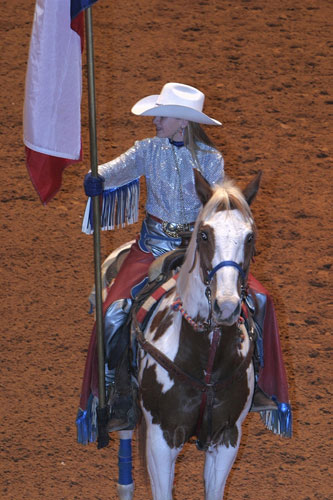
(93, 186)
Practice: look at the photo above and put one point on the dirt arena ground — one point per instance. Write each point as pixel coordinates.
(265, 68)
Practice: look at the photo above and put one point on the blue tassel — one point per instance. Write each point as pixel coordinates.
(86, 422)
(125, 462)
(120, 207)
(278, 421)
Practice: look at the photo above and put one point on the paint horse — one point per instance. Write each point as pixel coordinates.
(195, 367)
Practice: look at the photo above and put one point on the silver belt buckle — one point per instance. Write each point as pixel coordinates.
(173, 229)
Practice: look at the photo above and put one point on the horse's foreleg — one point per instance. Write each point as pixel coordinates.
(125, 481)
(161, 463)
(219, 460)
(218, 463)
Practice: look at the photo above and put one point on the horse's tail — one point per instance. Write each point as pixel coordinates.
(142, 437)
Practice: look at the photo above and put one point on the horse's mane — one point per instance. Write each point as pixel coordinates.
(226, 196)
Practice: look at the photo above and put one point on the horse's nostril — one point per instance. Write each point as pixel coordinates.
(217, 309)
(238, 309)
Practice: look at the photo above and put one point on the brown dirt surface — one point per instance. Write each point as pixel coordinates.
(265, 68)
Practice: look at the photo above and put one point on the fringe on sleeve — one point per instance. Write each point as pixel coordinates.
(120, 207)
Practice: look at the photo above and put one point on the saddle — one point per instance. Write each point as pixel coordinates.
(159, 270)
(162, 265)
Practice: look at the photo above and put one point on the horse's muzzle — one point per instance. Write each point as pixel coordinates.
(227, 311)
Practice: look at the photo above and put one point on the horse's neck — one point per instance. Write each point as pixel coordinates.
(191, 290)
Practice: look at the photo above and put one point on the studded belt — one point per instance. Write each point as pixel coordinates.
(173, 229)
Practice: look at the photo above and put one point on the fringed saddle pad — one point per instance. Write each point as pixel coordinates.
(149, 304)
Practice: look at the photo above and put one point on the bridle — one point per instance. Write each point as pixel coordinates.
(207, 325)
(226, 263)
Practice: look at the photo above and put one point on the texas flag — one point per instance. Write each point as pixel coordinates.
(52, 117)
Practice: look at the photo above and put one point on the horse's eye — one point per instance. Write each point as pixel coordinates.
(204, 236)
(249, 238)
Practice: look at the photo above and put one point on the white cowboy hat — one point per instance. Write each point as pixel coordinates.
(176, 101)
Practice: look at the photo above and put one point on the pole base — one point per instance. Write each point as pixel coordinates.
(125, 491)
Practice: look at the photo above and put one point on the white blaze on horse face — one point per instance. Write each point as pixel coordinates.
(230, 230)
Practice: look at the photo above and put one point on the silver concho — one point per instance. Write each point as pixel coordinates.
(174, 230)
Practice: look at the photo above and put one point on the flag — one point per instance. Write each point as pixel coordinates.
(52, 115)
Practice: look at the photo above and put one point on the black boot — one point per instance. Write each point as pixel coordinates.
(261, 402)
(123, 398)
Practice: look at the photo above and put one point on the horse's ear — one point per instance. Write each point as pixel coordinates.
(204, 191)
(251, 189)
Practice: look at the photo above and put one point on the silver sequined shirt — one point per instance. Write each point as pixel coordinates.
(155, 159)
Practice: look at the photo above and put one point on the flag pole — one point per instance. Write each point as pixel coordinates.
(102, 414)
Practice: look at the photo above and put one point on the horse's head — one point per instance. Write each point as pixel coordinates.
(221, 248)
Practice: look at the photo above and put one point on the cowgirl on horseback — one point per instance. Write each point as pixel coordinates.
(172, 206)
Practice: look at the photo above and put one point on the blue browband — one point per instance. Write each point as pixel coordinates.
(226, 263)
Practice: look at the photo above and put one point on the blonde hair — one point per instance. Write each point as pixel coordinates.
(194, 134)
